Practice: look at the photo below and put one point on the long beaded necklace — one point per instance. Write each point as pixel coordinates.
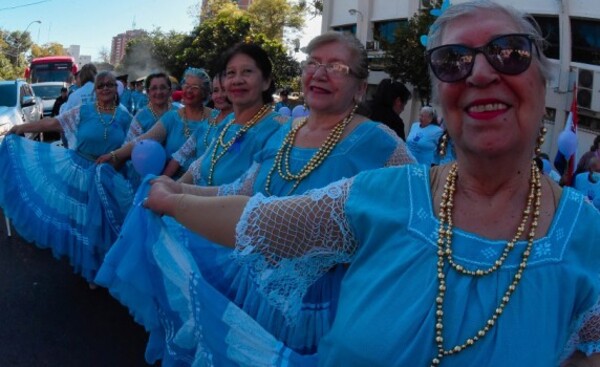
(445, 252)
(216, 155)
(187, 132)
(212, 123)
(156, 115)
(105, 124)
(282, 158)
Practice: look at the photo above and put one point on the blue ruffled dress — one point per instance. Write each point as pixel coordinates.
(387, 310)
(129, 270)
(50, 193)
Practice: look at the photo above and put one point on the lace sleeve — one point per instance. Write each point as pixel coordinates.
(401, 154)
(135, 130)
(187, 152)
(243, 185)
(195, 169)
(157, 132)
(586, 337)
(69, 121)
(288, 243)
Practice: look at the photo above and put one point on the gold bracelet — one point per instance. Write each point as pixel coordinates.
(113, 156)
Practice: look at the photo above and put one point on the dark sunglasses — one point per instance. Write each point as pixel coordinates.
(105, 85)
(509, 54)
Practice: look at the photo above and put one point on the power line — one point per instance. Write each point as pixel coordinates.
(24, 5)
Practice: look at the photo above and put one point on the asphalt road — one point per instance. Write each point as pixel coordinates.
(49, 316)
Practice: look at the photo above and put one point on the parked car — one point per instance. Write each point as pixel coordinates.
(18, 105)
(48, 92)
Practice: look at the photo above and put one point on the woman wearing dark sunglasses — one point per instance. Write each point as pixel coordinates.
(483, 262)
(49, 192)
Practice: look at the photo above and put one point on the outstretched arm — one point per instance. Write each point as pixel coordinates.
(44, 125)
(213, 217)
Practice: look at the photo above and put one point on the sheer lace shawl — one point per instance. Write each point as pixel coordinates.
(288, 243)
(243, 185)
(69, 121)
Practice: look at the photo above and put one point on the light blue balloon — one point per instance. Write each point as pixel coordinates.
(299, 111)
(567, 143)
(285, 111)
(148, 157)
(547, 167)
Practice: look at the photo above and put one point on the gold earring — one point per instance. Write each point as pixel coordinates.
(540, 140)
(443, 144)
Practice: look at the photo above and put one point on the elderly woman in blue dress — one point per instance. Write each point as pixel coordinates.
(487, 262)
(49, 192)
(332, 143)
(158, 88)
(195, 146)
(249, 85)
(423, 136)
(177, 125)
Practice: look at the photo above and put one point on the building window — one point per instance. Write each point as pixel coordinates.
(386, 31)
(350, 28)
(551, 33)
(586, 41)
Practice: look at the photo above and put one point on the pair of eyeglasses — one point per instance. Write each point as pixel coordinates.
(105, 85)
(509, 54)
(161, 88)
(335, 69)
(191, 87)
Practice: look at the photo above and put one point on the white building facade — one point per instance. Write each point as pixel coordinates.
(572, 28)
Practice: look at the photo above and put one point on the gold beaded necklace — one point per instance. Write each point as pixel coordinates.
(212, 123)
(187, 132)
(216, 155)
(282, 158)
(186, 129)
(156, 115)
(105, 124)
(445, 252)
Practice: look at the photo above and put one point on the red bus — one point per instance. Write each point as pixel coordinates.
(51, 69)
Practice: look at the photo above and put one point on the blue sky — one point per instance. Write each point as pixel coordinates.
(92, 23)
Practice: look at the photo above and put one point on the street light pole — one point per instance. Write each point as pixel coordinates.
(20, 43)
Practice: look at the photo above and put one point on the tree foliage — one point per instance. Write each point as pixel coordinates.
(48, 49)
(212, 38)
(404, 58)
(222, 25)
(269, 17)
(13, 46)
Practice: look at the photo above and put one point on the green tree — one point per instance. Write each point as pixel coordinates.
(48, 49)
(213, 37)
(13, 45)
(404, 58)
(270, 17)
(210, 8)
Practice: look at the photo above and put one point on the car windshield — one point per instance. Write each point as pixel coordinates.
(8, 95)
(47, 91)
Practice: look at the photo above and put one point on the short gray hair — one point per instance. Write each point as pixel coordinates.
(525, 24)
(360, 67)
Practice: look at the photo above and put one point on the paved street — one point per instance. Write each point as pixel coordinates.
(49, 316)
